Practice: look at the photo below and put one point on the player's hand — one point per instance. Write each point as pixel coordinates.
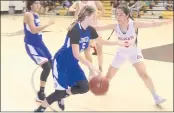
(94, 71)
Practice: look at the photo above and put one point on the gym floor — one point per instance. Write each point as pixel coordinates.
(127, 91)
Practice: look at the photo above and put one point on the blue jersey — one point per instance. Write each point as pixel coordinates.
(30, 38)
(81, 37)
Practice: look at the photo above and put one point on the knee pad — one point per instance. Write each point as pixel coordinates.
(83, 86)
(46, 71)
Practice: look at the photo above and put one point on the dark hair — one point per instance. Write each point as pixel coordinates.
(126, 10)
(29, 3)
(85, 11)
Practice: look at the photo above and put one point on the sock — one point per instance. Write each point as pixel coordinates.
(155, 95)
(68, 92)
(42, 89)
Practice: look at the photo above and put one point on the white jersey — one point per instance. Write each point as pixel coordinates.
(131, 53)
(130, 36)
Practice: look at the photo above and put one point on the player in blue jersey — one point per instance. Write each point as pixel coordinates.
(66, 70)
(34, 45)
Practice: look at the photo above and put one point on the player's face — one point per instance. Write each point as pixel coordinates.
(121, 16)
(36, 6)
(90, 19)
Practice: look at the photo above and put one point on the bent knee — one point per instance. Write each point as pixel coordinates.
(84, 86)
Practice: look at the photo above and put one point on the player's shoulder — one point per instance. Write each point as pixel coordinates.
(74, 30)
(28, 14)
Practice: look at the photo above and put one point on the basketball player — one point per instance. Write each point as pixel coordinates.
(97, 5)
(66, 70)
(34, 45)
(126, 30)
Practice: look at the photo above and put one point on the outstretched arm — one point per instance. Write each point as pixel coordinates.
(73, 7)
(105, 27)
(95, 36)
(140, 24)
(100, 8)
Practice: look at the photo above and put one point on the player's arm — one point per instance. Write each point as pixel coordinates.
(74, 41)
(100, 7)
(95, 36)
(29, 19)
(140, 24)
(73, 7)
(77, 10)
(105, 27)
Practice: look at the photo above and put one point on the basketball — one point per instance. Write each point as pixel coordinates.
(99, 85)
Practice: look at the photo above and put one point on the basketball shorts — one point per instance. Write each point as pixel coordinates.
(132, 54)
(39, 54)
(66, 76)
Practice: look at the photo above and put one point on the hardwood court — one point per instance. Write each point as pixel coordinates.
(127, 91)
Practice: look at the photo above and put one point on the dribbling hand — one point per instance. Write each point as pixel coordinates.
(94, 71)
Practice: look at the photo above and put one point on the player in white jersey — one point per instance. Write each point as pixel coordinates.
(97, 5)
(126, 32)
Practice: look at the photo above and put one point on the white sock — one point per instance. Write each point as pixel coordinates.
(155, 95)
(69, 91)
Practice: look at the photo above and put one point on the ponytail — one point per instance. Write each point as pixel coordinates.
(86, 11)
(72, 25)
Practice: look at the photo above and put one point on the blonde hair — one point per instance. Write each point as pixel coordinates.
(85, 11)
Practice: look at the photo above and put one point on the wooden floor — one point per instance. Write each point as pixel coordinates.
(127, 91)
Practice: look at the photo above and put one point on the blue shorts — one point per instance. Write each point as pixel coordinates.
(39, 54)
(65, 77)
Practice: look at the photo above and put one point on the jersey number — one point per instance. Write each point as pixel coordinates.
(83, 46)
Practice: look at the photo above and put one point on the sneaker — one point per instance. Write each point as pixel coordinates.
(39, 109)
(95, 53)
(40, 97)
(159, 100)
(61, 104)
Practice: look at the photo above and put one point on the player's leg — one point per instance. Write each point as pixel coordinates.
(41, 57)
(81, 87)
(77, 82)
(137, 62)
(100, 56)
(47, 66)
(60, 83)
(74, 78)
(87, 53)
(114, 67)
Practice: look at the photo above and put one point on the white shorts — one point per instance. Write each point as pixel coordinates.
(132, 54)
